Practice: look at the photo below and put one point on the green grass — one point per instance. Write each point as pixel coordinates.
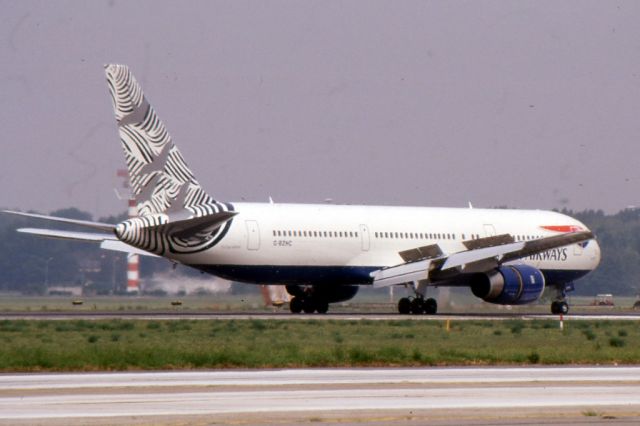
(125, 345)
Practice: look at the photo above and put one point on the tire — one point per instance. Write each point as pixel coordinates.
(322, 307)
(404, 306)
(295, 305)
(308, 305)
(430, 306)
(417, 306)
(559, 307)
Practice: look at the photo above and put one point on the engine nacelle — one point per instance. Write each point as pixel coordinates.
(328, 293)
(509, 285)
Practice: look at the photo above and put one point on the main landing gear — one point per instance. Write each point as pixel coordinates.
(417, 305)
(308, 305)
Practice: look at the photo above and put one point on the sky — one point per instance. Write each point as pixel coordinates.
(526, 104)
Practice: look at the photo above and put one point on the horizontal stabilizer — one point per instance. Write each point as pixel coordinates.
(107, 227)
(107, 241)
(68, 235)
(114, 245)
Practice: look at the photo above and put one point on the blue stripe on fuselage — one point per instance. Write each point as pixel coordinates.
(338, 275)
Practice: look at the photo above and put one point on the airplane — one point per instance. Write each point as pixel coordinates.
(323, 253)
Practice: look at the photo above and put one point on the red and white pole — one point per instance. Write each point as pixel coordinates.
(133, 274)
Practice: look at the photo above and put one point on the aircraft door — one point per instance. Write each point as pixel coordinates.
(364, 237)
(489, 230)
(253, 235)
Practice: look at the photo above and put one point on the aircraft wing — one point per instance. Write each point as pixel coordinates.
(107, 241)
(401, 274)
(481, 255)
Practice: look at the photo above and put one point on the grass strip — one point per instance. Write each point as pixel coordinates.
(81, 345)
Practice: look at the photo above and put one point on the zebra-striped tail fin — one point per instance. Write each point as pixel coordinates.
(161, 181)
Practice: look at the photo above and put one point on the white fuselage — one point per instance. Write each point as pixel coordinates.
(276, 243)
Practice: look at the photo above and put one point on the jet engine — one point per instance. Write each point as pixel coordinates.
(509, 285)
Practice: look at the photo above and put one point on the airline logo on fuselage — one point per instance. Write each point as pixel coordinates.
(557, 254)
(563, 228)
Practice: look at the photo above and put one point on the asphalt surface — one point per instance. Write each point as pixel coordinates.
(447, 396)
(178, 315)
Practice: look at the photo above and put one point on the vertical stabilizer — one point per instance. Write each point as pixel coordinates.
(161, 181)
(175, 215)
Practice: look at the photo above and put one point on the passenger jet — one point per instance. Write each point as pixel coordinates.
(323, 253)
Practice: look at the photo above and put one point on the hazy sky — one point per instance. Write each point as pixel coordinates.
(526, 104)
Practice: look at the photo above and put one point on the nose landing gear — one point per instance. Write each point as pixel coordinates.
(560, 305)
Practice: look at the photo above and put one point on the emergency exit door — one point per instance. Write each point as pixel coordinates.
(253, 235)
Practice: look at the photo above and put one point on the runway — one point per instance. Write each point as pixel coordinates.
(352, 396)
(173, 315)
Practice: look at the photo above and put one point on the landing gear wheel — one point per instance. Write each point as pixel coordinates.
(308, 306)
(430, 306)
(559, 307)
(564, 308)
(404, 306)
(417, 306)
(295, 305)
(322, 307)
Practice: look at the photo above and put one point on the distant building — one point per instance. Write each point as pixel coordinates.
(64, 291)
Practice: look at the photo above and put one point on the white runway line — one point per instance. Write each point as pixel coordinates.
(270, 391)
(320, 377)
(113, 405)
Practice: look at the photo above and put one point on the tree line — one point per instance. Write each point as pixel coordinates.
(29, 264)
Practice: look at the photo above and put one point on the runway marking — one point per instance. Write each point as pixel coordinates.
(283, 391)
(325, 317)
